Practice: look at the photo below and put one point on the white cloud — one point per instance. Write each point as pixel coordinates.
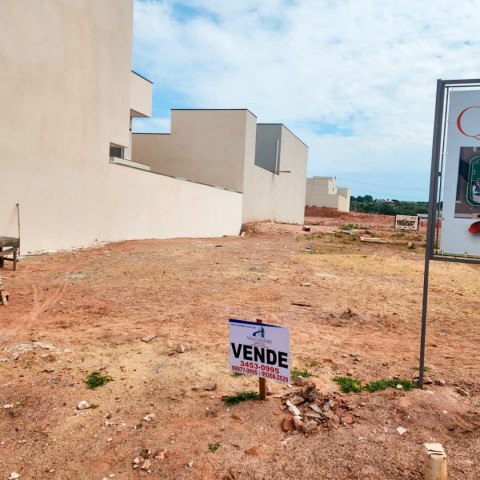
(366, 68)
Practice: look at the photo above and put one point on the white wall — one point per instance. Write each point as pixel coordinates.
(65, 87)
(323, 192)
(206, 146)
(281, 197)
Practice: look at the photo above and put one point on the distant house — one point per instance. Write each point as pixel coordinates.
(323, 192)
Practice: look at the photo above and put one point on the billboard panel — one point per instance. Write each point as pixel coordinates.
(461, 176)
(406, 222)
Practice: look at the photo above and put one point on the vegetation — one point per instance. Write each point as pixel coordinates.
(383, 384)
(348, 226)
(348, 385)
(242, 396)
(368, 204)
(97, 379)
(213, 447)
(295, 373)
(352, 385)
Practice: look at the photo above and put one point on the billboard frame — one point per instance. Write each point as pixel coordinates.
(435, 198)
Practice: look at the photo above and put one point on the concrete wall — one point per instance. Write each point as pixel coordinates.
(65, 89)
(278, 197)
(141, 91)
(206, 146)
(323, 192)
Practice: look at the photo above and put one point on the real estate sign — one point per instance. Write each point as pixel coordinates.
(260, 349)
(406, 222)
(461, 195)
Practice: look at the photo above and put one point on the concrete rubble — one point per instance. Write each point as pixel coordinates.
(311, 410)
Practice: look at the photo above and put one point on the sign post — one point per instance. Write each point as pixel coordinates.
(261, 350)
(262, 383)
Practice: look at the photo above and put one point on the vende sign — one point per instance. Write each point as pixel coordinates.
(260, 349)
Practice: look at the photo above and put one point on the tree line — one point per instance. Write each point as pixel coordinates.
(368, 204)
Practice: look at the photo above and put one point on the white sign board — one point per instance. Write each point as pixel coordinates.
(461, 196)
(260, 349)
(406, 222)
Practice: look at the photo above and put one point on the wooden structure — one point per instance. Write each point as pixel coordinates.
(9, 246)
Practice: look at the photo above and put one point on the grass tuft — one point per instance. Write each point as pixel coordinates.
(348, 385)
(348, 226)
(295, 373)
(352, 385)
(97, 379)
(213, 447)
(383, 384)
(241, 397)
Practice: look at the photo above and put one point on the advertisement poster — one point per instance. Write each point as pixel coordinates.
(460, 232)
(406, 222)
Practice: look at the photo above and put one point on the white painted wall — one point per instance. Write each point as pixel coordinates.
(323, 192)
(279, 198)
(206, 146)
(65, 90)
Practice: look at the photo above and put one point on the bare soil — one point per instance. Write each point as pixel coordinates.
(72, 313)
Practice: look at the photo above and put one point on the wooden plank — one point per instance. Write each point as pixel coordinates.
(3, 253)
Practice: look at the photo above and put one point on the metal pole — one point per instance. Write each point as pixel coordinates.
(18, 225)
(432, 218)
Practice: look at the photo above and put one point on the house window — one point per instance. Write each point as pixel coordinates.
(115, 151)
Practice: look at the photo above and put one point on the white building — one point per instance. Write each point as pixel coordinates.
(68, 96)
(323, 192)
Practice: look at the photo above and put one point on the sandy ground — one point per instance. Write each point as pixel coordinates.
(73, 313)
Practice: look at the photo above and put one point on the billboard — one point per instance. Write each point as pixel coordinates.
(460, 233)
(406, 222)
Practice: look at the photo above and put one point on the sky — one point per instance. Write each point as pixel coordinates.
(354, 79)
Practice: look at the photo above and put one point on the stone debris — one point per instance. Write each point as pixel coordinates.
(83, 405)
(190, 464)
(210, 387)
(300, 381)
(314, 410)
(462, 392)
(149, 417)
(401, 430)
(8, 406)
(146, 465)
(180, 348)
(136, 462)
(14, 476)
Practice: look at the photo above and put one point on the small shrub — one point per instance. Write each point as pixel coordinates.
(348, 226)
(241, 397)
(97, 379)
(348, 385)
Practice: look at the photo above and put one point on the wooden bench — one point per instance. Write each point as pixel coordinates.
(9, 246)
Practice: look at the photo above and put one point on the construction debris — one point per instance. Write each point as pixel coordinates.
(372, 240)
(315, 410)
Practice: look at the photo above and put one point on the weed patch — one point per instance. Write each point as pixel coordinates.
(213, 447)
(348, 385)
(295, 373)
(348, 226)
(241, 397)
(97, 379)
(352, 385)
(383, 384)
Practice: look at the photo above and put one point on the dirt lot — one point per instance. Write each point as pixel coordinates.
(73, 313)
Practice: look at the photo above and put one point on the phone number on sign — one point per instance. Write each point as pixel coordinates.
(264, 368)
(260, 373)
